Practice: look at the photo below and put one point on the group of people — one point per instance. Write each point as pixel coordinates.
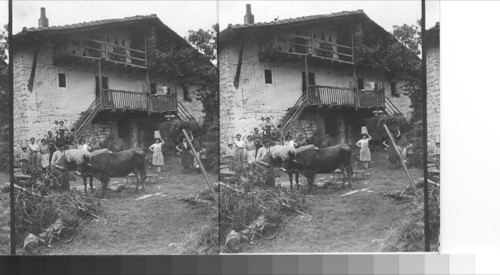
(42, 154)
(254, 147)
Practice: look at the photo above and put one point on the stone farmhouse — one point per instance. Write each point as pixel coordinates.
(301, 73)
(433, 90)
(97, 78)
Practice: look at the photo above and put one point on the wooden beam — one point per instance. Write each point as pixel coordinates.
(238, 68)
(33, 69)
(306, 68)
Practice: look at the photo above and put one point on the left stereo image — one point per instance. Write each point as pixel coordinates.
(115, 128)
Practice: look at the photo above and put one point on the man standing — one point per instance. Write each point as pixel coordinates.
(264, 163)
(240, 153)
(51, 142)
(58, 170)
(34, 154)
(257, 138)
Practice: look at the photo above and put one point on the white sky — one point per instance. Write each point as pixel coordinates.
(180, 16)
(385, 13)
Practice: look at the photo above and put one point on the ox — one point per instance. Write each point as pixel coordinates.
(310, 161)
(279, 153)
(108, 165)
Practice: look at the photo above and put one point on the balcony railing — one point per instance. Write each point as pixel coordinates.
(303, 45)
(126, 100)
(336, 96)
(101, 50)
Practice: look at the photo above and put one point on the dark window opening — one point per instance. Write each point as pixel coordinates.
(361, 84)
(185, 91)
(394, 89)
(154, 91)
(104, 84)
(377, 86)
(312, 80)
(62, 80)
(268, 75)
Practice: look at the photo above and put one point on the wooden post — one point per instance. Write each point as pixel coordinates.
(354, 76)
(401, 159)
(101, 99)
(201, 165)
(148, 85)
(306, 78)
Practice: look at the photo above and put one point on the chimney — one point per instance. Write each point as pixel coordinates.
(43, 22)
(248, 19)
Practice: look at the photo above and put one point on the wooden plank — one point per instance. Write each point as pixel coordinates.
(33, 69)
(238, 68)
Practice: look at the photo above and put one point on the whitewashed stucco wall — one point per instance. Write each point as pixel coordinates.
(35, 112)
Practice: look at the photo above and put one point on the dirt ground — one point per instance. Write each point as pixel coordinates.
(359, 222)
(153, 225)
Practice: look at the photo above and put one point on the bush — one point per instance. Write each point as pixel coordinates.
(36, 213)
(4, 223)
(409, 236)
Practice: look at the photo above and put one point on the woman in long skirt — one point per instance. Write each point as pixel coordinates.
(44, 155)
(187, 160)
(157, 154)
(364, 153)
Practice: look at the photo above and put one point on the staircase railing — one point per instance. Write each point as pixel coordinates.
(293, 114)
(184, 113)
(86, 118)
(391, 108)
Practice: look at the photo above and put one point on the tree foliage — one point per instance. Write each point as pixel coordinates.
(205, 41)
(394, 54)
(4, 46)
(191, 62)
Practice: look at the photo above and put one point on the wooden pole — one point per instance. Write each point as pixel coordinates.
(148, 85)
(401, 159)
(201, 165)
(306, 68)
(100, 82)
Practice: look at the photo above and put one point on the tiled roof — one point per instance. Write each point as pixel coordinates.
(84, 25)
(302, 19)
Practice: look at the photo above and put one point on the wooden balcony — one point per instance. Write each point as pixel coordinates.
(347, 97)
(79, 49)
(135, 101)
(316, 48)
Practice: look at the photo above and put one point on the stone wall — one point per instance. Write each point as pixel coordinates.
(100, 131)
(433, 97)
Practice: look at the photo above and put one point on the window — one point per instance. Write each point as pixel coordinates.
(312, 80)
(361, 84)
(62, 80)
(154, 91)
(394, 89)
(268, 75)
(185, 91)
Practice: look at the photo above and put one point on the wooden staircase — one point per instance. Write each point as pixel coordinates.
(183, 113)
(391, 109)
(86, 118)
(292, 115)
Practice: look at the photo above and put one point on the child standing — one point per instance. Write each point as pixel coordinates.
(230, 154)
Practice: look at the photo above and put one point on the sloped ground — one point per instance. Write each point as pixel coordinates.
(359, 222)
(153, 225)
